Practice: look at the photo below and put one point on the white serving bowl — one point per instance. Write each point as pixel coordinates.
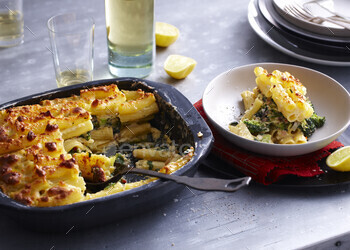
(223, 104)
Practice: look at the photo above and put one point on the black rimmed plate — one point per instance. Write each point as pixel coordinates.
(294, 46)
(177, 113)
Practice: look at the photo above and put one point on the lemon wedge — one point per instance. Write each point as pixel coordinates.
(339, 160)
(166, 34)
(179, 67)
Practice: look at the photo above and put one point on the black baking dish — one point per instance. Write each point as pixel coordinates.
(187, 124)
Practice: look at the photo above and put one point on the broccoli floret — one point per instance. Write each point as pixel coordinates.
(276, 114)
(256, 127)
(307, 127)
(150, 165)
(86, 136)
(318, 120)
(119, 158)
(280, 125)
(262, 112)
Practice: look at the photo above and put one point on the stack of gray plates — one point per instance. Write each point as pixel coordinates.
(320, 42)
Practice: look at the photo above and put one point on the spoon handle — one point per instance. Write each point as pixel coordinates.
(206, 184)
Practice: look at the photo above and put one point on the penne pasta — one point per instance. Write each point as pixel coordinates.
(152, 154)
(248, 98)
(75, 144)
(102, 134)
(139, 114)
(253, 109)
(241, 130)
(133, 130)
(151, 165)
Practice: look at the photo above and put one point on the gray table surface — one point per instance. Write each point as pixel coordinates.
(218, 36)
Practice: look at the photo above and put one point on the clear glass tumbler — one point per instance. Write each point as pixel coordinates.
(72, 43)
(130, 37)
(11, 23)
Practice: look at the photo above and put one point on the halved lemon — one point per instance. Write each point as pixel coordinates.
(166, 34)
(339, 160)
(178, 66)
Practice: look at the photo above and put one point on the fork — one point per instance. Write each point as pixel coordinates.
(297, 11)
(324, 11)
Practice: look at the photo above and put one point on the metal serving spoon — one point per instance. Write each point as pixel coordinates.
(206, 184)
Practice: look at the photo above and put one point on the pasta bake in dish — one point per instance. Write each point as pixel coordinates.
(49, 150)
(277, 110)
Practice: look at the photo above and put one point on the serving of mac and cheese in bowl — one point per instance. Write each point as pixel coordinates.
(277, 109)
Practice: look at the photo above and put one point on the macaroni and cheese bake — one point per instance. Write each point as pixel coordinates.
(48, 150)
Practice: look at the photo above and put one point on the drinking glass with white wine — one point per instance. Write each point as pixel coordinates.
(130, 37)
(11, 23)
(72, 43)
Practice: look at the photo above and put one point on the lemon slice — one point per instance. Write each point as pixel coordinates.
(166, 34)
(178, 66)
(339, 160)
